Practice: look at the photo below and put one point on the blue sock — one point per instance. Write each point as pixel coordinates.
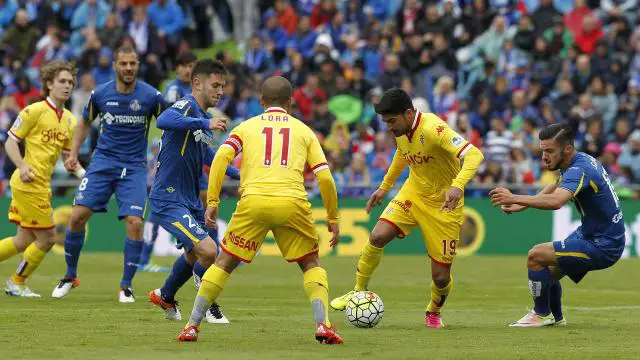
(73, 243)
(198, 273)
(132, 249)
(180, 274)
(147, 248)
(539, 281)
(555, 296)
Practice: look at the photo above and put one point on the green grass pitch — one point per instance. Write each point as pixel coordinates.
(271, 318)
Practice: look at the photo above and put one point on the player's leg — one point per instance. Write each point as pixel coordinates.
(26, 211)
(397, 220)
(16, 244)
(33, 256)
(20, 242)
(150, 235)
(131, 195)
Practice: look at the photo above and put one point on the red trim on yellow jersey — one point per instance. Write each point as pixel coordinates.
(234, 255)
(15, 136)
(461, 150)
(401, 233)
(304, 256)
(235, 143)
(414, 127)
(276, 110)
(53, 107)
(440, 262)
(321, 166)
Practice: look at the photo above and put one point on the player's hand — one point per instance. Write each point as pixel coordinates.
(210, 216)
(501, 196)
(335, 231)
(513, 208)
(218, 124)
(27, 174)
(451, 199)
(71, 162)
(376, 199)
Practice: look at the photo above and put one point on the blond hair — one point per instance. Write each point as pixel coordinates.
(49, 71)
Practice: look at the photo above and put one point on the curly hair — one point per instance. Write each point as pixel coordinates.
(49, 71)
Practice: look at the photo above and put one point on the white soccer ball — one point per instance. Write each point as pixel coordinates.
(364, 309)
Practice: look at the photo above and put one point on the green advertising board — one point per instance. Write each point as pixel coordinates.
(486, 230)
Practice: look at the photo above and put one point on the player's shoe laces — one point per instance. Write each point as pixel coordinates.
(64, 287)
(126, 296)
(171, 310)
(215, 316)
(13, 289)
(340, 303)
(153, 268)
(189, 334)
(531, 319)
(327, 335)
(433, 320)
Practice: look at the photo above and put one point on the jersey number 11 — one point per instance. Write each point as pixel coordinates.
(268, 146)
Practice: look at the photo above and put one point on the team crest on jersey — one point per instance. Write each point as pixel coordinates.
(199, 230)
(440, 129)
(170, 189)
(17, 123)
(180, 104)
(422, 139)
(457, 141)
(134, 105)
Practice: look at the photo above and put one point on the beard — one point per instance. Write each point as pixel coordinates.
(121, 78)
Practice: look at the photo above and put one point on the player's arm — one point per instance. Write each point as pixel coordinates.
(82, 128)
(398, 164)
(175, 118)
(318, 163)
(463, 151)
(223, 157)
(513, 208)
(20, 129)
(231, 171)
(552, 197)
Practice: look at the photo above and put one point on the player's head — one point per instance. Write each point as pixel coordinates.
(125, 63)
(58, 78)
(184, 65)
(208, 78)
(276, 91)
(556, 143)
(396, 109)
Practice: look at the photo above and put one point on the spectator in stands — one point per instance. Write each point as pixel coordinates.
(321, 120)
(583, 75)
(393, 74)
(256, 58)
(322, 14)
(168, 18)
(499, 141)
(112, 33)
(20, 37)
(8, 9)
(593, 143)
(304, 95)
(621, 132)
(25, 93)
(287, 16)
(491, 41)
(589, 35)
(604, 101)
(519, 110)
(543, 18)
(89, 16)
(103, 72)
(525, 35)
(559, 38)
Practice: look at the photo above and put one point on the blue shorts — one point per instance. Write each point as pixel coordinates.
(186, 225)
(204, 182)
(578, 255)
(104, 179)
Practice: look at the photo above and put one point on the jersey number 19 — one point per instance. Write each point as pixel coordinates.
(268, 146)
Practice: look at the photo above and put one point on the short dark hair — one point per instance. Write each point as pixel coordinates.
(394, 101)
(124, 50)
(185, 58)
(208, 67)
(562, 133)
(276, 90)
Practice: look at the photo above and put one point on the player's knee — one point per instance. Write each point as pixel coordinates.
(46, 238)
(534, 258)
(134, 224)
(78, 219)
(378, 239)
(206, 252)
(441, 278)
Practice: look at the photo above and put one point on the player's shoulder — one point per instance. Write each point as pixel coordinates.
(100, 90)
(34, 109)
(432, 126)
(147, 88)
(184, 103)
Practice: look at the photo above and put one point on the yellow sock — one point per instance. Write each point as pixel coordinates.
(438, 296)
(211, 286)
(30, 260)
(7, 248)
(316, 286)
(368, 262)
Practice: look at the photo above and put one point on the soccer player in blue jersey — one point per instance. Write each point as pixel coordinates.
(174, 199)
(175, 90)
(596, 245)
(125, 107)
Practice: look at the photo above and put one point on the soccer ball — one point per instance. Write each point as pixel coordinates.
(364, 309)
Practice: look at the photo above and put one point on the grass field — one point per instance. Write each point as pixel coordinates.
(271, 317)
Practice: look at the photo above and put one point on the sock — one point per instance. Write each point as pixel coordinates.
(180, 274)
(555, 300)
(368, 262)
(439, 296)
(198, 273)
(147, 248)
(73, 243)
(31, 259)
(212, 284)
(132, 249)
(7, 248)
(316, 286)
(539, 281)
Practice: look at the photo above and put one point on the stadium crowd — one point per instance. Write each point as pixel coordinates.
(494, 70)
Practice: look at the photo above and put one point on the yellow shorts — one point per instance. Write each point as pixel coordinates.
(440, 229)
(288, 218)
(31, 210)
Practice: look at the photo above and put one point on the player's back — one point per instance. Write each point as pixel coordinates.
(275, 149)
(595, 198)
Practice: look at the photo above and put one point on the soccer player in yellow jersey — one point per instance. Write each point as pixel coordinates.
(47, 129)
(275, 148)
(431, 198)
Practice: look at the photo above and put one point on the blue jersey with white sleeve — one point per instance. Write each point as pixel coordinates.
(594, 197)
(124, 121)
(176, 90)
(186, 146)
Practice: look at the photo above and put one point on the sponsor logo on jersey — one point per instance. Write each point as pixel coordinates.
(136, 207)
(406, 205)
(112, 103)
(53, 135)
(243, 243)
(199, 230)
(180, 104)
(170, 189)
(417, 159)
(17, 123)
(457, 141)
(201, 136)
(123, 119)
(134, 105)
